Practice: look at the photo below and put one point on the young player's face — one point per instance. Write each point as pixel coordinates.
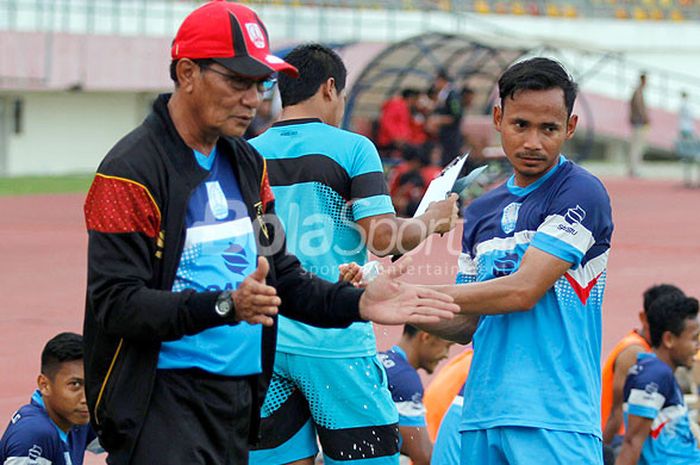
(686, 345)
(226, 103)
(434, 350)
(64, 395)
(534, 126)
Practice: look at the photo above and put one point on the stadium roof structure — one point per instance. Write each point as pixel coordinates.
(414, 63)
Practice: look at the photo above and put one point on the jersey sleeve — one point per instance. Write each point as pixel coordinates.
(647, 391)
(578, 219)
(30, 443)
(407, 394)
(368, 189)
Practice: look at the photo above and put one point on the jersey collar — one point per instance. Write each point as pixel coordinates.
(400, 351)
(289, 122)
(39, 401)
(522, 191)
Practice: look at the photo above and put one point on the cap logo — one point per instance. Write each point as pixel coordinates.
(255, 34)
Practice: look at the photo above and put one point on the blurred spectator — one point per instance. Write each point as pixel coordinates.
(448, 117)
(416, 349)
(409, 180)
(686, 122)
(397, 125)
(639, 120)
(687, 145)
(264, 116)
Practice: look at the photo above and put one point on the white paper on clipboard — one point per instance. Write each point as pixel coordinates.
(442, 185)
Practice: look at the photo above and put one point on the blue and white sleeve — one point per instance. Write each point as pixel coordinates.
(368, 189)
(578, 218)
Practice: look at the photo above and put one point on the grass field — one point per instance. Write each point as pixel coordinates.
(27, 185)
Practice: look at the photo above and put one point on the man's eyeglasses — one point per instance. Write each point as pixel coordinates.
(242, 84)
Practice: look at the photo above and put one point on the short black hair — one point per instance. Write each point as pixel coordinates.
(669, 313)
(537, 74)
(410, 331)
(198, 61)
(410, 92)
(658, 290)
(316, 64)
(64, 347)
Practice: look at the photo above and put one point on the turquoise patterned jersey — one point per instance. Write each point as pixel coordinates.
(324, 180)
(539, 368)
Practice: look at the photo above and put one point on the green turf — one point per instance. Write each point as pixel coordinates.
(25, 185)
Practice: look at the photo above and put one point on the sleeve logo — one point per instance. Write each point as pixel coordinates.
(575, 215)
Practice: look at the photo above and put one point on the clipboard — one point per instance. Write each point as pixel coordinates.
(442, 185)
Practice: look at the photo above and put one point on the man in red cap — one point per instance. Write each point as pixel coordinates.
(187, 264)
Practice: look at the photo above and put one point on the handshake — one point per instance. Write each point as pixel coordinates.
(385, 299)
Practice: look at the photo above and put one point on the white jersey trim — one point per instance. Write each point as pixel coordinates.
(643, 398)
(212, 232)
(584, 275)
(27, 461)
(572, 233)
(505, 243)
(410, 408)
(466, 264)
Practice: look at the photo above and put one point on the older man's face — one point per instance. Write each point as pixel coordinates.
(225, 103)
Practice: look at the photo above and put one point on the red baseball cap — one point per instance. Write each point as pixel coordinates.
(232, 35)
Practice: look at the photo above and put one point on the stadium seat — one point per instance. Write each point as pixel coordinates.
(621, 13)
(533, 9)
(676, 15)
(639, 14)
(656, 14)
(553, 10)
(570, 11)
(518, 9)
(502, 8)
(481, 6)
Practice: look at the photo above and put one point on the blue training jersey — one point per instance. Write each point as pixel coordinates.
(405, 386)
(32, 438)
(651, 391)
(219, 252)
(539, 368)
(324, 180)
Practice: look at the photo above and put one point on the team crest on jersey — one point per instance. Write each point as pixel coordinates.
(510, 217)
(255, 34)
(217, 200)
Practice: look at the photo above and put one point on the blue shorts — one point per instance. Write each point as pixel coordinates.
(345, 401)
(512, 445)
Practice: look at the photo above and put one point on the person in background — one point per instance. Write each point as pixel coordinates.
(618, 363)
(658, 430)
(639, 122)
(416, 350)
(53, 429)
(447, 117)
(333, 203)
(443, 401)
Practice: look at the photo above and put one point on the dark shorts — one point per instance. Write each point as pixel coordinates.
(195, 418)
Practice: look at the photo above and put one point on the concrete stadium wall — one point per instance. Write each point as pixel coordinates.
(64, 132)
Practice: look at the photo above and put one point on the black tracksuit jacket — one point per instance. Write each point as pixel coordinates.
(135, 215)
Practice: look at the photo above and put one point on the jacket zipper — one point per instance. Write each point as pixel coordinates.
(104, 383)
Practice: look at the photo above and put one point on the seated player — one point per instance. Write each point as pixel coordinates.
(53, 429)
(656, 417)
(618, 363)
(417, 349)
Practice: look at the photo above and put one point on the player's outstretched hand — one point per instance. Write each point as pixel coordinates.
(351, 272)
(445, 214)
(390, 302)
(254, 300)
